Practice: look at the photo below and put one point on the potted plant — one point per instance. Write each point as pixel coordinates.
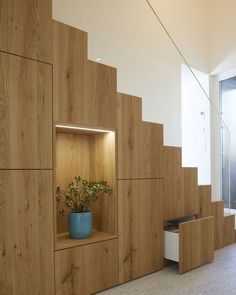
(78, 196)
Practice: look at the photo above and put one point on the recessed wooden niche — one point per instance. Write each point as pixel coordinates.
(90, 153)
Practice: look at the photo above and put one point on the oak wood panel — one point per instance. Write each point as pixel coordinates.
(26, 28)
(100, 92)
(26, 233)
(69, 59)
(196, 243)
(65, 242)
(84, 91)
(72, 159)
(191, 201)
(172, 171)
(92, 157)
(218, 213)
(129, 118)
(139, 143)
(26, 113)
(140, 227)
(224, 225)
(204, 195)
(229, 225)
(150, 141)
(87, 269)
(103, 167)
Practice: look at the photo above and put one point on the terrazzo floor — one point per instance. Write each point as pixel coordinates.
(216, 278)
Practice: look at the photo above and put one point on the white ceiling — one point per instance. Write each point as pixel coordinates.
(130, 26)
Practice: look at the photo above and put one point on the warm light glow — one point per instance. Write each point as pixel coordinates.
(98, 59)
(83, 128)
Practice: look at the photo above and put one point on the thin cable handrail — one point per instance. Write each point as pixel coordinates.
(186, 62)
(199, 83)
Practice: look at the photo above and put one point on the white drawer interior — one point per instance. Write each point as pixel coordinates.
(171, 245)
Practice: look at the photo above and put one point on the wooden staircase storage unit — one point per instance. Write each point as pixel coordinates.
(223, 223)
(45, 58)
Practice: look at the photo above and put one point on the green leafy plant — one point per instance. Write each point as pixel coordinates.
(80, 193)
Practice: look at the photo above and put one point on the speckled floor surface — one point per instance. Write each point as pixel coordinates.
(217, 278)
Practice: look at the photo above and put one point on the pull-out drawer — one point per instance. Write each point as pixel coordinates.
(192, 244)
(171, 245)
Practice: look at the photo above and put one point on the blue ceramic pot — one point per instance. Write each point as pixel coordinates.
(80, 225)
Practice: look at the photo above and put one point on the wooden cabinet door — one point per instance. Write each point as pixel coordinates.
(87, 269)
(84, 91)
(140, 227)
(25, 113)
(196, 243)
(26, 28)
(139, 142)
(26, 233)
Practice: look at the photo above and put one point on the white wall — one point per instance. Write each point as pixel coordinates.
(125, 34)
(222, 37)
(196, 124)
(187, 22)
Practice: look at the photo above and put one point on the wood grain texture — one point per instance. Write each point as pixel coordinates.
(100, 92)
(26, 113)
(72, 159)
(103, 167)
(64, 241)
(26, 233)
(204, 195)
(218, 213)
(92, 157)
(26, 28)
(87, 269)
(196, 243)
(191, 201)
(84, 91)
(139, 155)
(229, 225)
(140, 227)
(69, 59)
(174, 197)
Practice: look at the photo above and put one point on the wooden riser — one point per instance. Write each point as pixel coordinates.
(140, 230)
(224, 232)
(204, 194)
(139, 155)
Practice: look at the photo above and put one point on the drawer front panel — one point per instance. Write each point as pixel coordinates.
(87, 269)
(196, 242)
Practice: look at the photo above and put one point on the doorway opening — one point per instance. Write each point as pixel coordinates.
(228, 142)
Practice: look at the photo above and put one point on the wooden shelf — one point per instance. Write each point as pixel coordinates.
(64, 241)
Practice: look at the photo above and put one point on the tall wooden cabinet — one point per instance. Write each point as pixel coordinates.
(26, 113)
(26, 232)
(25, 28)
(26, 195)
(140, 209)
(89, 265)
(26, 187)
